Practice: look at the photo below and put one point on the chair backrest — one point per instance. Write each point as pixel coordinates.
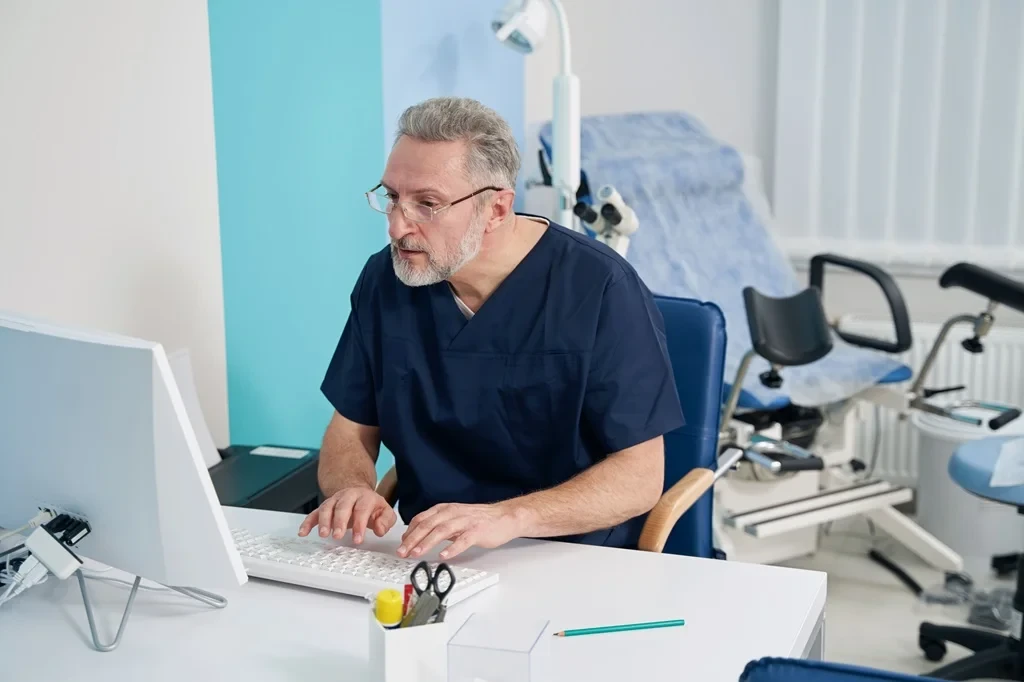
(696, 341)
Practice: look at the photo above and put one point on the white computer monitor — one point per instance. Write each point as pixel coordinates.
(94, 424)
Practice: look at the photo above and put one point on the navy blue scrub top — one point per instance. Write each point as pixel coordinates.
(564, 364)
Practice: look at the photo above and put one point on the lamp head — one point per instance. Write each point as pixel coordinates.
(521, 24)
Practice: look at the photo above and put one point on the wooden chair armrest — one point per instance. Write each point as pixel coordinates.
(387, 487)
(672, 505)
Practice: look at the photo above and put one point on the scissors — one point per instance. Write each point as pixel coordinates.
(432, 588)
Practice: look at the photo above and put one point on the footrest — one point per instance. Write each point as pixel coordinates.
(828, 505)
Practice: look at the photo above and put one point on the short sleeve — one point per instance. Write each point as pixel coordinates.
(631, 392)
(348, 384)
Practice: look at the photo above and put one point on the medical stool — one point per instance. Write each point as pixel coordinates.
(995, 656)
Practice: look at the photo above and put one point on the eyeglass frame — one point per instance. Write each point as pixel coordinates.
(434, 210)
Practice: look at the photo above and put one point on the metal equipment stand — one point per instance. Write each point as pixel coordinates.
(202, 596)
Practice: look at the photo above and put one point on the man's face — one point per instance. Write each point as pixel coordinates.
(431, 173)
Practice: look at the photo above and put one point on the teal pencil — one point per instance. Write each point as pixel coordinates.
(621, 628)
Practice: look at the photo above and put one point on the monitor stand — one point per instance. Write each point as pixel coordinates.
(207, 598)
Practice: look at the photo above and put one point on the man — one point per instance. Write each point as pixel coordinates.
(517, 370)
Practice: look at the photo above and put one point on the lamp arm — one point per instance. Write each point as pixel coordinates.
(563, 34)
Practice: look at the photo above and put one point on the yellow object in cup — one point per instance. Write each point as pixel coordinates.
(388, 608)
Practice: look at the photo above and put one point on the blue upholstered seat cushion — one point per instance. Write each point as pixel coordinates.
(751, 401)
(972, 464)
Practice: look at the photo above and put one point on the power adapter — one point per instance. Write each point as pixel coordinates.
(52, 553)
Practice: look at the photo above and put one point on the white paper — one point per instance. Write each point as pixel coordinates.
(1009, 468)
(181, 366)
(269, 451)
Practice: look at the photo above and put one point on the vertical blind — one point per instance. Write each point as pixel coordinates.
(900, 131)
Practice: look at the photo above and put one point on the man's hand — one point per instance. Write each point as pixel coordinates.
(357, 508)
(466, 525)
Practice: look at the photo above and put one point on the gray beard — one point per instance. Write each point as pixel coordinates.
(439, 269)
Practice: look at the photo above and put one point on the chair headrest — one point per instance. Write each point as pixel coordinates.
(699, 162)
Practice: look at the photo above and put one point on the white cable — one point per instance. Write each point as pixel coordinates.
(109, 579)
(91, 566)
(43, 516)
(8, 533)
(30, 573)
(10, 576)
(7, 593)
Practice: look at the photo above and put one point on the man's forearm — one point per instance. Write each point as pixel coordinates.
(346, 461)
(619, 488)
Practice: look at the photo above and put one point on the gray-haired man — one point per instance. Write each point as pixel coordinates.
(516, 369)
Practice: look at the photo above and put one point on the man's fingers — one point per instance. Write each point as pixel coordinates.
(309, 522)
(384, 520)
(342, 516)
(361, 517)
(326, 516)
(418, 529)
(430, 517)
(416, 532)
(441, 532)
(378, 526)
(463, 542)
(390, 518)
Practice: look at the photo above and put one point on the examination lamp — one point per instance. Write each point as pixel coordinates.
(521, 25)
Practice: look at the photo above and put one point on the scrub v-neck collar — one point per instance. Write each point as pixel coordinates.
(460, 334)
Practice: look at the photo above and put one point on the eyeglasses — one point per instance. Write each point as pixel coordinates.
(414, 211)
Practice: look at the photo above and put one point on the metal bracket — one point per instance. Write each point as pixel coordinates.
(207, 598)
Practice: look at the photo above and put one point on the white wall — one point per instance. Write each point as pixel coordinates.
(108, 187)
(712, 58)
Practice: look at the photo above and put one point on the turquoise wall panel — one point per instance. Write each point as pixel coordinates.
(298, 115)
(306, 99)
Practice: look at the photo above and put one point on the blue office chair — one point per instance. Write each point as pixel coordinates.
(681, 521)
(790, 670)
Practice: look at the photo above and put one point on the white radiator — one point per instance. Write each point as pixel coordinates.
(997, 375)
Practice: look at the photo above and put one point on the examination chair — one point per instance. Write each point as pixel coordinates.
(704, 231)
(680, 523)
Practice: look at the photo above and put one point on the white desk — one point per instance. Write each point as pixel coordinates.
(734, 613)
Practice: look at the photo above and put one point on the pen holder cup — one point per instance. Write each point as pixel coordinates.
(413, 654)
(495, 648)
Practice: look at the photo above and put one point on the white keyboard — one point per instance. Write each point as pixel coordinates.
(316, 563)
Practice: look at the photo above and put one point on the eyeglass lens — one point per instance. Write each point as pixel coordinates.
(380, 201)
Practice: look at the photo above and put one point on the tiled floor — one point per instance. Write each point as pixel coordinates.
(872, 618)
